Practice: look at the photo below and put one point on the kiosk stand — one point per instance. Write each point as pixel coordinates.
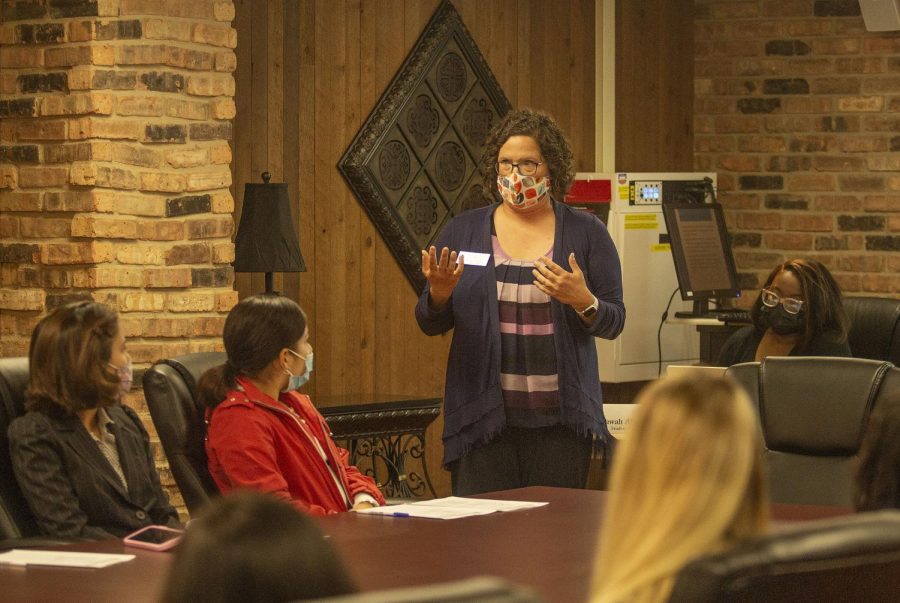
(638, 229)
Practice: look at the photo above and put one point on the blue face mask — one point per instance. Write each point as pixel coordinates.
(298, 381)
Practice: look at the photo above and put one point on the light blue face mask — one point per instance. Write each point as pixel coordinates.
(298, 381)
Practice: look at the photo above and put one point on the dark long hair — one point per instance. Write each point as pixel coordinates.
(823, 308)
(68, 356)
(555, 150)
(256, 331)
(250, 546)
(878, 476)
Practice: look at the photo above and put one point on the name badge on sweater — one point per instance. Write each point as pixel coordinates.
(471, 258)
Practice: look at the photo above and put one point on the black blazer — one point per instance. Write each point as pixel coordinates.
(70, 486)
(741, 347)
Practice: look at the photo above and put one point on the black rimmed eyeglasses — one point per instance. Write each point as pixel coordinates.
(526, 168)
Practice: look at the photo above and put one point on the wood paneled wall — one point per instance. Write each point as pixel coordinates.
(266, 131)
(654, 85)
(309, 72)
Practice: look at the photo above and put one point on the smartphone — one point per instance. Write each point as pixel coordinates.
(155, 538)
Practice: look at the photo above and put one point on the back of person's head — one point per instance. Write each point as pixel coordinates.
(687, 480)
(256, 331)
(878, 477)
(823, 307)
(250, 547)
(68, 360)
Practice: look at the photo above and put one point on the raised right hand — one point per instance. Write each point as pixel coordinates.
(442, 273)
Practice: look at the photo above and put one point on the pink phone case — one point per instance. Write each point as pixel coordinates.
(133, 539)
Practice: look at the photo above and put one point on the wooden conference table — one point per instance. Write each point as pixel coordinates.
(548, 548)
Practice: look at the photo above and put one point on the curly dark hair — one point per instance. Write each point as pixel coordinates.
(555, 150)
(823, 307)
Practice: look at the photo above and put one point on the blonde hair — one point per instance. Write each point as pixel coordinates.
(688, 480)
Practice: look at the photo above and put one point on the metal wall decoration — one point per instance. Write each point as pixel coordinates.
(414, 163)
(386, 441)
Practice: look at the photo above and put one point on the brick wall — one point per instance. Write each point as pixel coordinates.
(114, 168)
(797, 107)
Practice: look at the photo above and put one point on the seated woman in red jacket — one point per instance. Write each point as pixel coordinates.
(261, 433)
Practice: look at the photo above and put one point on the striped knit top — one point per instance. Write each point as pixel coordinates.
(528, 373)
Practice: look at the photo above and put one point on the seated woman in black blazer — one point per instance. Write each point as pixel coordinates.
(82, 459)
(798, 313)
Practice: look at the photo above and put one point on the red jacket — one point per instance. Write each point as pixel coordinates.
(256, 442)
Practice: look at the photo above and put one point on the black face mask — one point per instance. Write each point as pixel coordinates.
(780, 321)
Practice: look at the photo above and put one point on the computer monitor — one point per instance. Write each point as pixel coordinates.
(702, 254)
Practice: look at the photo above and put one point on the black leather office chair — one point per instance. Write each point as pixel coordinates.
(874, 328)
(850, 559)
(813, 412)
(483, 589)
(169, 387)
(18, 529)
(16, 520)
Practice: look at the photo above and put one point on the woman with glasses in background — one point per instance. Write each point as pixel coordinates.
(526, 284)
(799, 312)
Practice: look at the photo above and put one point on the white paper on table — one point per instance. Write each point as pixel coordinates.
(487, 504)
(62, 558)
(427, 512)
(451, 507)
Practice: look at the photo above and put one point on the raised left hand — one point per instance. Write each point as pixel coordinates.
(560, 284)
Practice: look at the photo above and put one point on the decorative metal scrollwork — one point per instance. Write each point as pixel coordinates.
(386, 439)
(423, 120)
(422, 214)
(451, 80)
(477, 121)
(393, 163)
(473, 198)
(451, 166)
(384, 459)
(428, 128)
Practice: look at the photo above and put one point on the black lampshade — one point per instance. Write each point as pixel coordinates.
(266, 240)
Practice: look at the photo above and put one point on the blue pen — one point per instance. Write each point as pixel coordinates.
(399, 514)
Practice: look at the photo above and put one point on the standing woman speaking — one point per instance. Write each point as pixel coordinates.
(526, 285)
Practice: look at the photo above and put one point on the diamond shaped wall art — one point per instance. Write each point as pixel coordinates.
(414, 163)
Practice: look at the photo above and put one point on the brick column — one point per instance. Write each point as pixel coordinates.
(114, 167)
(797, 107)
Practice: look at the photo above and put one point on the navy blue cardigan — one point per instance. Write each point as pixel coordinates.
(473, 400)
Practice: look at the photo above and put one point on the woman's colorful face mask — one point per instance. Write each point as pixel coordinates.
(523, 192)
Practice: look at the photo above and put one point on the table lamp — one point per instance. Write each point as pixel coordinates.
(266, 240)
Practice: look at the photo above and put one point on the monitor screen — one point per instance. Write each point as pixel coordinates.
(687, 191)
(701, 250)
